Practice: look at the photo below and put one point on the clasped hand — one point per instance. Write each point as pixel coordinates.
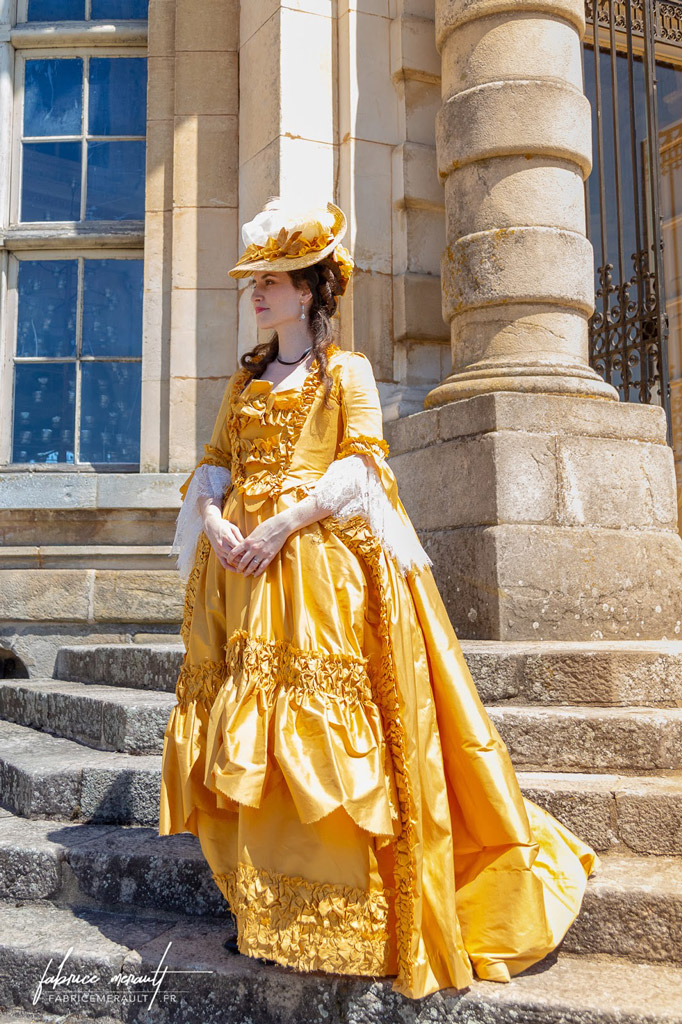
(249, 555)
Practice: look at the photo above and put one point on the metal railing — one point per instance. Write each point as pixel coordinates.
(628, 332)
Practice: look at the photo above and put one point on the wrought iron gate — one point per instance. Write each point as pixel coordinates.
(628, 332)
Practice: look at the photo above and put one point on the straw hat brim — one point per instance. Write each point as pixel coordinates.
(296, 262)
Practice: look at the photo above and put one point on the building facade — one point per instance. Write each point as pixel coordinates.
(136, 138)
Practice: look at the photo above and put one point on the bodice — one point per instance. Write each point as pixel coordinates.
(278, 439)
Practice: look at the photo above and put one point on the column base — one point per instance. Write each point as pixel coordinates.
(547, 517)
(553, 379)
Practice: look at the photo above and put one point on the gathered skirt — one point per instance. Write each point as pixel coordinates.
(354, 801)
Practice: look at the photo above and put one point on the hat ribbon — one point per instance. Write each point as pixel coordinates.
(285, 245)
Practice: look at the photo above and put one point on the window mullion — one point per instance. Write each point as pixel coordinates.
(84, 132)
(79, 352)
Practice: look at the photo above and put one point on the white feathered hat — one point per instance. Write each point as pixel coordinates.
(284, 236)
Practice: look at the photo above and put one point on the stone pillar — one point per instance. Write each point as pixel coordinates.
(514, 146)
(368, 131)
(287, 130)
(191, 231)
(420, 341)
(548, 507)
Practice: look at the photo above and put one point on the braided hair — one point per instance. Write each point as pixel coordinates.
(326, 286)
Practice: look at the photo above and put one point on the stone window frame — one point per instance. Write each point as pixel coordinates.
(50, 239)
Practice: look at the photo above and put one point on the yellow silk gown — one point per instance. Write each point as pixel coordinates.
(355, 803)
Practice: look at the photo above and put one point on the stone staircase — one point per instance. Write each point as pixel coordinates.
(595, 732)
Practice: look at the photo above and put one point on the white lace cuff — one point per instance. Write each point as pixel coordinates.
(208, 481)
(349, 488)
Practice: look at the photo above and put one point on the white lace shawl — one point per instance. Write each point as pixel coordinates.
(350, 487)
(210, 482)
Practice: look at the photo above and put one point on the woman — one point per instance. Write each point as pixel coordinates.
(356, 805)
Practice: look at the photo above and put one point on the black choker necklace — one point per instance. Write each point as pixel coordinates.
(290, 362)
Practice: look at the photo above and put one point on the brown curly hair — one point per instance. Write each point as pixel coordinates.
(326, 286)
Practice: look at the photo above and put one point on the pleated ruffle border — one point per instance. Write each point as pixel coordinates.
(309, 926)
(203, 683)
(357, 536)
(275, 664)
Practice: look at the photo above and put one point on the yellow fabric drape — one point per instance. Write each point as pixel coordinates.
(355, 802)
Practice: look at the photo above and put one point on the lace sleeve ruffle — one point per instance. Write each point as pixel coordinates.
(350, 487)
(207, 481)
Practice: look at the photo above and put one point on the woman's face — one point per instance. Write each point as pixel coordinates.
(276, 300)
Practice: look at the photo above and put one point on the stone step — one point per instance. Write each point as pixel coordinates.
(18, 1016)
(85, 556)
(106, 717)
(587, 739)
(638, 813)
(602, 673)
(599, 672)
(31, 1017)
(632, 908)
(153, 666)
(632, 905)
(217, 986)
(51, 777)
(642, 813)
(106, 866)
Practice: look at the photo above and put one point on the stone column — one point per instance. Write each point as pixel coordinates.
(548, 507)
(514, 146)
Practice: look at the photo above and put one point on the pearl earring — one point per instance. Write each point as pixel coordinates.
(302, 316)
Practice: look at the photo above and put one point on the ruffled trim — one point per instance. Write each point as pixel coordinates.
(215, 457)
(309, 926)
(270, 453)
(310, 712)
(208, 481)
(349, 488)
(357, 537)
(288, 411)
(201, 557)
(273, 663)
(363, 445)
(212, 457)
(200, 683)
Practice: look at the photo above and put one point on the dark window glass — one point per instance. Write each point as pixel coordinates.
(51, 174)
(51, 181)
(115, 181)
(119, 8)
(112, 308)
(44, 405)
(56, 10)
(608, 135)
(669, 90)
(47, 291)
(118, 95)
(74, 10)
(110, 412)
(53, 96)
